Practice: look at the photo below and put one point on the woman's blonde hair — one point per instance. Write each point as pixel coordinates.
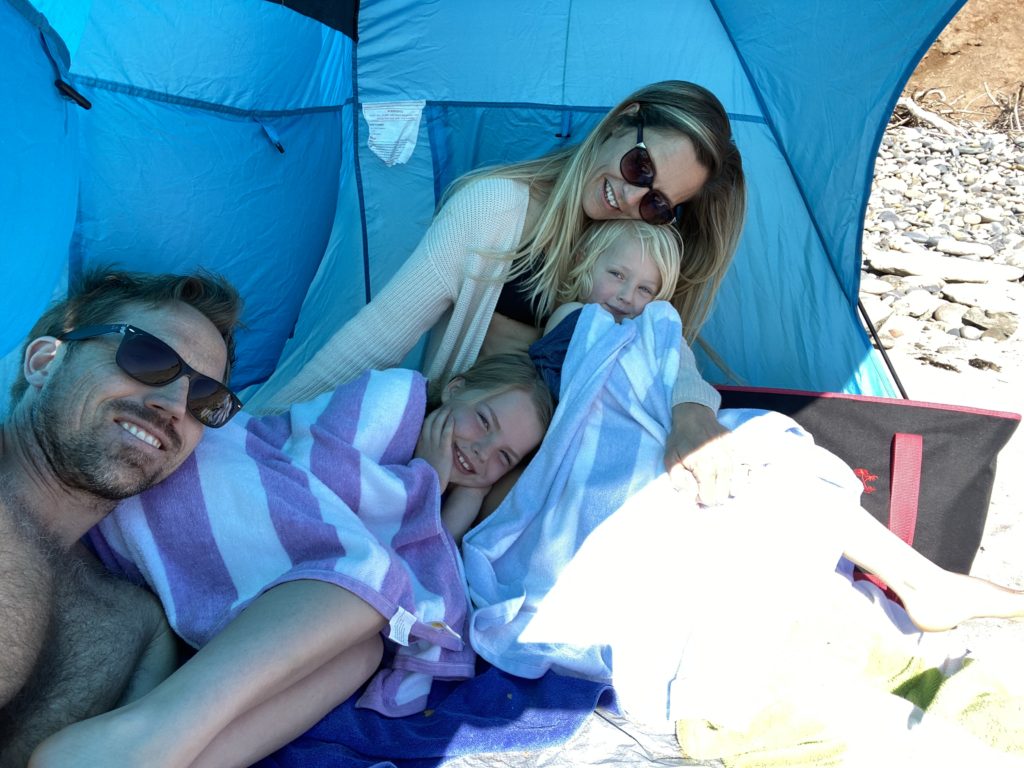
(496, 374)
(709, 223)
(661, 244)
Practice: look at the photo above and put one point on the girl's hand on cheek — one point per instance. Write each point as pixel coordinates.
(435, 443)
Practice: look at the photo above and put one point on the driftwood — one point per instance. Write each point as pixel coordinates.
(929, 117)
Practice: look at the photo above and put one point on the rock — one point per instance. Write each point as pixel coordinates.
(997, 325)
(951, 314)
(970, 333)
(964, 248)
(923, 282)
(873, 286)
(877, 310)
(991, 214)
(902, 329)
(916, 303)
(897, 282)
(972, 219)
(941, 268)
(995, 334)
(994, 298)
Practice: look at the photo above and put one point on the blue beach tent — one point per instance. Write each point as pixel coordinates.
(299, 147)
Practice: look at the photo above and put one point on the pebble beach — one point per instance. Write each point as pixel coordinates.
(942, 283)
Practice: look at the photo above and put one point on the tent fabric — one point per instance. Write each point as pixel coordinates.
(233, 135)
(40, 168)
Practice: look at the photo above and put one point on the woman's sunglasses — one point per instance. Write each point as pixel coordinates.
(148, 360)
(637, 168)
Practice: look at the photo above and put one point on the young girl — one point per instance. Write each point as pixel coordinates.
(621, 265)
(290, 544)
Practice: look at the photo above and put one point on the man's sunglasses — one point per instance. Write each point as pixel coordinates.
(148, 360)
(637, 168)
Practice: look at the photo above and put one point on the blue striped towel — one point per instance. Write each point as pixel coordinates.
(594, 555)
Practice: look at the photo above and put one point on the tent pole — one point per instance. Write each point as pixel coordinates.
(878, 345)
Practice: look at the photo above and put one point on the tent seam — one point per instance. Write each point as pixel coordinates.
(770, 125)
(600, 109)
(565, 48)
(206, 106)
(42, 24)
(357, 172)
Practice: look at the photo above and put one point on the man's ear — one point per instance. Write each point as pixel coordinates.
(631, 109)
(40, 356)
(453, 386)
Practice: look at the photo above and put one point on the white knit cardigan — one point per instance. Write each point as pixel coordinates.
(450, 286)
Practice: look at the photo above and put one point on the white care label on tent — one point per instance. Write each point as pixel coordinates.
(394, 127)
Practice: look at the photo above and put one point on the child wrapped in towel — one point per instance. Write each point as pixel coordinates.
(248, 544)
(595, 566)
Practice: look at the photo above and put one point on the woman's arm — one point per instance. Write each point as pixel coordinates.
(507, 335)
(698, 453)
(469, 235)
(560, 314)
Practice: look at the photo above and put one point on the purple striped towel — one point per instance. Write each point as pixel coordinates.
(328, 491)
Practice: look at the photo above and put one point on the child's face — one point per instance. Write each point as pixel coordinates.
(625, 280)
(492, 433)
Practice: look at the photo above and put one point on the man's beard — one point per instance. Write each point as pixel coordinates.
(88, 460)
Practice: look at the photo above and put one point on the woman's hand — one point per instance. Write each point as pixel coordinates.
(699, 455)
(435, 443)
(507, 335)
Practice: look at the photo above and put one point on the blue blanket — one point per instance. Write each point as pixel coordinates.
(491, 712)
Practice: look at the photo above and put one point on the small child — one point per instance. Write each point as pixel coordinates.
(289, 543)
(622, 265)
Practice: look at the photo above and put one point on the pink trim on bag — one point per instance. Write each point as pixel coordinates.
(905, 484)
(871, 399)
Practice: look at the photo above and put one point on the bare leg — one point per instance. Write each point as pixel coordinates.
(271, 725)
(282, 638)
(935, 598)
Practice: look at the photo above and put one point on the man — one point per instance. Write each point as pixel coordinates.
(117, 384)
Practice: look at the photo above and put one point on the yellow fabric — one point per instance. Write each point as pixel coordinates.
(974, 697)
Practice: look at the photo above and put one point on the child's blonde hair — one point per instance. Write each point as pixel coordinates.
(496, 374)
(661, 244)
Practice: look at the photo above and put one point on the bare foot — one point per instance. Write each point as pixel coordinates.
(953, 598)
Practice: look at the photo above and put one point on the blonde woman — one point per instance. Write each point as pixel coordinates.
(487, 273)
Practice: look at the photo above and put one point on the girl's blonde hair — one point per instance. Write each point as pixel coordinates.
(709, 223)
(662, 245)
(496, 374)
